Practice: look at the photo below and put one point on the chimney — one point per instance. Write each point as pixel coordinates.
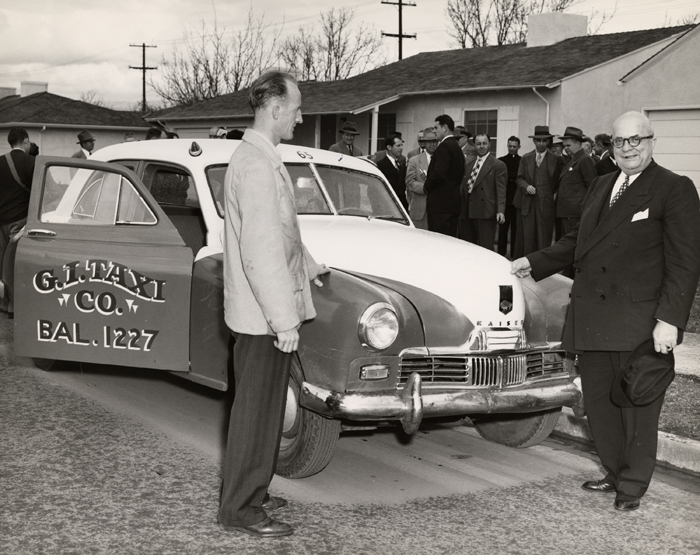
(544, 29)
(33, 87)
(7, 91)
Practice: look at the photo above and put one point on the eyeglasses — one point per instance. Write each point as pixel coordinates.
(619, 142)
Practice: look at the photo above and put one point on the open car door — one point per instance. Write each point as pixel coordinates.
(101, 274)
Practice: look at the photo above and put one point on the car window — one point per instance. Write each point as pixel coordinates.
(356, 193)
(307, 193)
(215, 178)
(91, 197)
(170, 185)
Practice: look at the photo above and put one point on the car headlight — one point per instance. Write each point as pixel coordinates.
(379, 326)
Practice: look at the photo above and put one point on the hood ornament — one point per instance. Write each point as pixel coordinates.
(505, 303)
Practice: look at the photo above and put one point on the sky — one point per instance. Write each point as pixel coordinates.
(83, 46)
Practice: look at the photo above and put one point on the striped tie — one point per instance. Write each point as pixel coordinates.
(472, 177)
(622, 189)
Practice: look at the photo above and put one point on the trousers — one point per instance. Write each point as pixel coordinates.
(255, 426)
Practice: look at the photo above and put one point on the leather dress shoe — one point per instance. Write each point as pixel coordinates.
(624, 502)
(599, 486)
(268, 528)
(273, 503)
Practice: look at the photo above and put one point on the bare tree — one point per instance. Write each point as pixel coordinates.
(336, 51)
(94, 98)
(476, 23)
(217, 62)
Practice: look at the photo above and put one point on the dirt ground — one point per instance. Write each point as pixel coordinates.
(680, 414)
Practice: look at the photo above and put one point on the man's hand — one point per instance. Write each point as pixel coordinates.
(530, 190)
(665, 337)
(521, 267)
(500, 218)
(322, 270)
(287, 341)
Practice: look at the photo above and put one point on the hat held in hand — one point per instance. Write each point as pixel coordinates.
(643, 377)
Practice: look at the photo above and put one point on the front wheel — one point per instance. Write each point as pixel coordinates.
(517, 430)
(308, 440)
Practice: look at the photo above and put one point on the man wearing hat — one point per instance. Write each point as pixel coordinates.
(87, 144)
(421, 146)
(636, 252)
(346, 145)
(575, 177)
(416, 173)
(537, 180)
(468, 148)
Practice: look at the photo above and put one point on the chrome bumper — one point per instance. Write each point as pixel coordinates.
(410, 405)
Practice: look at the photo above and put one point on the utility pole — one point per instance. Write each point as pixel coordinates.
(400, 36)
(143, 67)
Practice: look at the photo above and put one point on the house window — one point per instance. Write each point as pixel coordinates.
(385, 125)
(483, 121)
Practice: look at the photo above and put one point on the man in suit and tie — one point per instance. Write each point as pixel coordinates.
(346, 145)
(87, 145)
(512, 162)
(537, 181)
(416, 173)
(267, 297)
(636, 252)
(393, 166)
(607, 163)
(484, 194)
(444, 179)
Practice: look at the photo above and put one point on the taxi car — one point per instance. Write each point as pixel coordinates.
(121, 263)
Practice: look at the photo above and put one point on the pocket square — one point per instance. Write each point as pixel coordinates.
(641, 215)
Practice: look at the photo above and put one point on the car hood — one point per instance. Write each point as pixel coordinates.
(474, 280)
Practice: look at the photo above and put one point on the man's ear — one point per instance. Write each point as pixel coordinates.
(276, 111)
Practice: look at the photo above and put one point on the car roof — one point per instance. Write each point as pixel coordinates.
(218, 151)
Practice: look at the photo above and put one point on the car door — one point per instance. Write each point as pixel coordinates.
(101, 274)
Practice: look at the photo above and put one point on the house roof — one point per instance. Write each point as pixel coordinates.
(51, 109)
(473, 69)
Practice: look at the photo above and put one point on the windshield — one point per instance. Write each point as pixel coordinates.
(341, 191)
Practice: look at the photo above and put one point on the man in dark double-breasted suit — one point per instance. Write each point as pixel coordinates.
(636, 252)
(537, 180)
(393, 166)
(484, 194)
(444, 179)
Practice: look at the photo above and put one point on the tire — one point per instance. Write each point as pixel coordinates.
(518, 430)
(45, 364)
(308, 440)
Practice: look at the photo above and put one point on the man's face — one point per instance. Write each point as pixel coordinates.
(395, 149)
(440, 131)
(598, 148)
(463, 140)
(88, 145)
(348, 138)
(513, 147)
(431, 147)
(586, 146)
(572, 146)
(482, 145)
(631, 159)
(557, 149)
(288, 112)
(541, 144)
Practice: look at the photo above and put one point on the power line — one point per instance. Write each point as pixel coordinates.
(400, 35)
(143, 68)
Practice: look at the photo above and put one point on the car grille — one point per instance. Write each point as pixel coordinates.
(481, 371)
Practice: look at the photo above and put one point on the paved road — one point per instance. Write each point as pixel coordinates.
(99, 460)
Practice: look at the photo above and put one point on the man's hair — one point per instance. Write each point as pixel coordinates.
(603, 139)
(483, 135)
(391, 139)
(153, 133)
(514, 139)
(16, 136)
(444, 119)
(273, 84)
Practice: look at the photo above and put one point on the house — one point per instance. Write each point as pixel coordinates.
(560, 77)
(54, 121)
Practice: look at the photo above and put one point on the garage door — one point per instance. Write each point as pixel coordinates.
(678, 144)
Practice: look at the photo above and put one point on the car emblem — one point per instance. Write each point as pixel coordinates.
(505, 304)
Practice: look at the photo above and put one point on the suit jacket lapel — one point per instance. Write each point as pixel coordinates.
(637, 196)
(484, 169)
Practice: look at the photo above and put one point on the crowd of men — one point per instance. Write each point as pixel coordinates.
(515, 205)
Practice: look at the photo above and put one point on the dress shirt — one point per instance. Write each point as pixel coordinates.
(621, 180)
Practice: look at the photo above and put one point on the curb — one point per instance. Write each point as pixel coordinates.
(679, 452)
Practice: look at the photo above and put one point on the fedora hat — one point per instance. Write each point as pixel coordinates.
(429, 134)
(85, 136)
(349, 127)
(541, 132)
(461, 131)
(573, 133)
(643, 377)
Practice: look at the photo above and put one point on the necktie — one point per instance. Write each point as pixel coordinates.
(475, 172)
(539, 158)
(350, 149)
(622, 189)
